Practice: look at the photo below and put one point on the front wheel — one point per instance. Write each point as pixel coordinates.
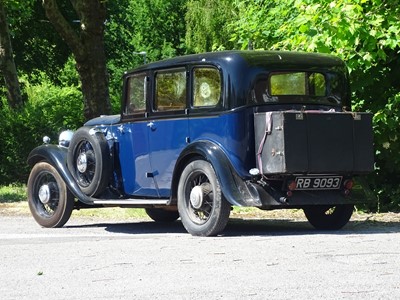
(201, 205)
(50, 201)
(325, 217)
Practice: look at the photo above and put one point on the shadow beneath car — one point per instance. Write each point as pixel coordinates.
(135, 227)
(249, 227)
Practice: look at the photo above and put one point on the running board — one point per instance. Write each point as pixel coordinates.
(132, 202)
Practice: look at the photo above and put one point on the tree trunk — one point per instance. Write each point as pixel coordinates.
(7, 64)
(87, 46)
(94, 78)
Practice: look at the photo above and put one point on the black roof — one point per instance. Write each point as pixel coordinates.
(273, 59)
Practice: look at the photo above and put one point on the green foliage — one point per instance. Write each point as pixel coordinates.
(387, 159)
(36, 45)
(18, 10)
(154, 26)
(68, 76)
(12, 193)
(50, 110)
(207, 25)
(364, 33)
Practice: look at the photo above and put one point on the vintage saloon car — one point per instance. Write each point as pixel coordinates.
(199, 134)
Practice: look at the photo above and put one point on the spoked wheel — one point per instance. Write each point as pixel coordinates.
(50, 201)
(162, 215)
(89, 161)
(325, 217)
(201, 205)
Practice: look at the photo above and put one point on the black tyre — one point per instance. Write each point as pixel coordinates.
(324, 217)
(162, 215)
(201, 205)
(89, 160)
(50, 201)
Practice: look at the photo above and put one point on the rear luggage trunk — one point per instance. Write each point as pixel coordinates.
(291, 142)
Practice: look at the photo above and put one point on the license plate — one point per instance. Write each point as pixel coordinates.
(318, 182)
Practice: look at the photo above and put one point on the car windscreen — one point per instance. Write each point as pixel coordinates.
(299, 87)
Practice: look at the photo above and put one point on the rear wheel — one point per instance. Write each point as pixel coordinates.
(325, 217)
(50, 201)
(162, 215)
(201, 205)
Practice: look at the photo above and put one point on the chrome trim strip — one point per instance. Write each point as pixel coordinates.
(132, 202)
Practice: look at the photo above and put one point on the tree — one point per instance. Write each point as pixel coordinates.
(87, 46)
(154, 26)
(7, 64)
(133, 26)
(37, 47)
(207, 24)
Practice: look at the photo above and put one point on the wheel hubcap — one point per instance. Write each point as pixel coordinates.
(196, 197)
(199, 195)
(81, 163)
(44, 194)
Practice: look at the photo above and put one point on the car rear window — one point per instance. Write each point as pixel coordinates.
(298, 87)
(297, 83)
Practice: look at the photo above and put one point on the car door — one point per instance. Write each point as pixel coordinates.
(133, 139)
(168, 125)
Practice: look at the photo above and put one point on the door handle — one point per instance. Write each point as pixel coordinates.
(151, 125)
(121, 129)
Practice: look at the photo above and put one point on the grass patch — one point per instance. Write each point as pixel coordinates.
(13, 193)
(113, 213)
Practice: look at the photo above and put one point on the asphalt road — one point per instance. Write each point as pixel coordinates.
(254, 259)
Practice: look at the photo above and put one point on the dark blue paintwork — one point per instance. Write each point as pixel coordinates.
(156, 148)
(134, 154)
(149, 151)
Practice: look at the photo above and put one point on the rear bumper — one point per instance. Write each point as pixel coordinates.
(271, 198)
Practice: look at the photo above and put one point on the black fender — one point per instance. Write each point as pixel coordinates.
(237, 191)
(57, 157)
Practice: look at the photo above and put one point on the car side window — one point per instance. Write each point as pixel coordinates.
(206, 87)
(170, 90)
(136, 94)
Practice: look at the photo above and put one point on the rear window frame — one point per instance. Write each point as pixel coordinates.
(260, 89)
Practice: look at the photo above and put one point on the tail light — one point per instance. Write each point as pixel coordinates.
(291, 186)
(348, 185)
